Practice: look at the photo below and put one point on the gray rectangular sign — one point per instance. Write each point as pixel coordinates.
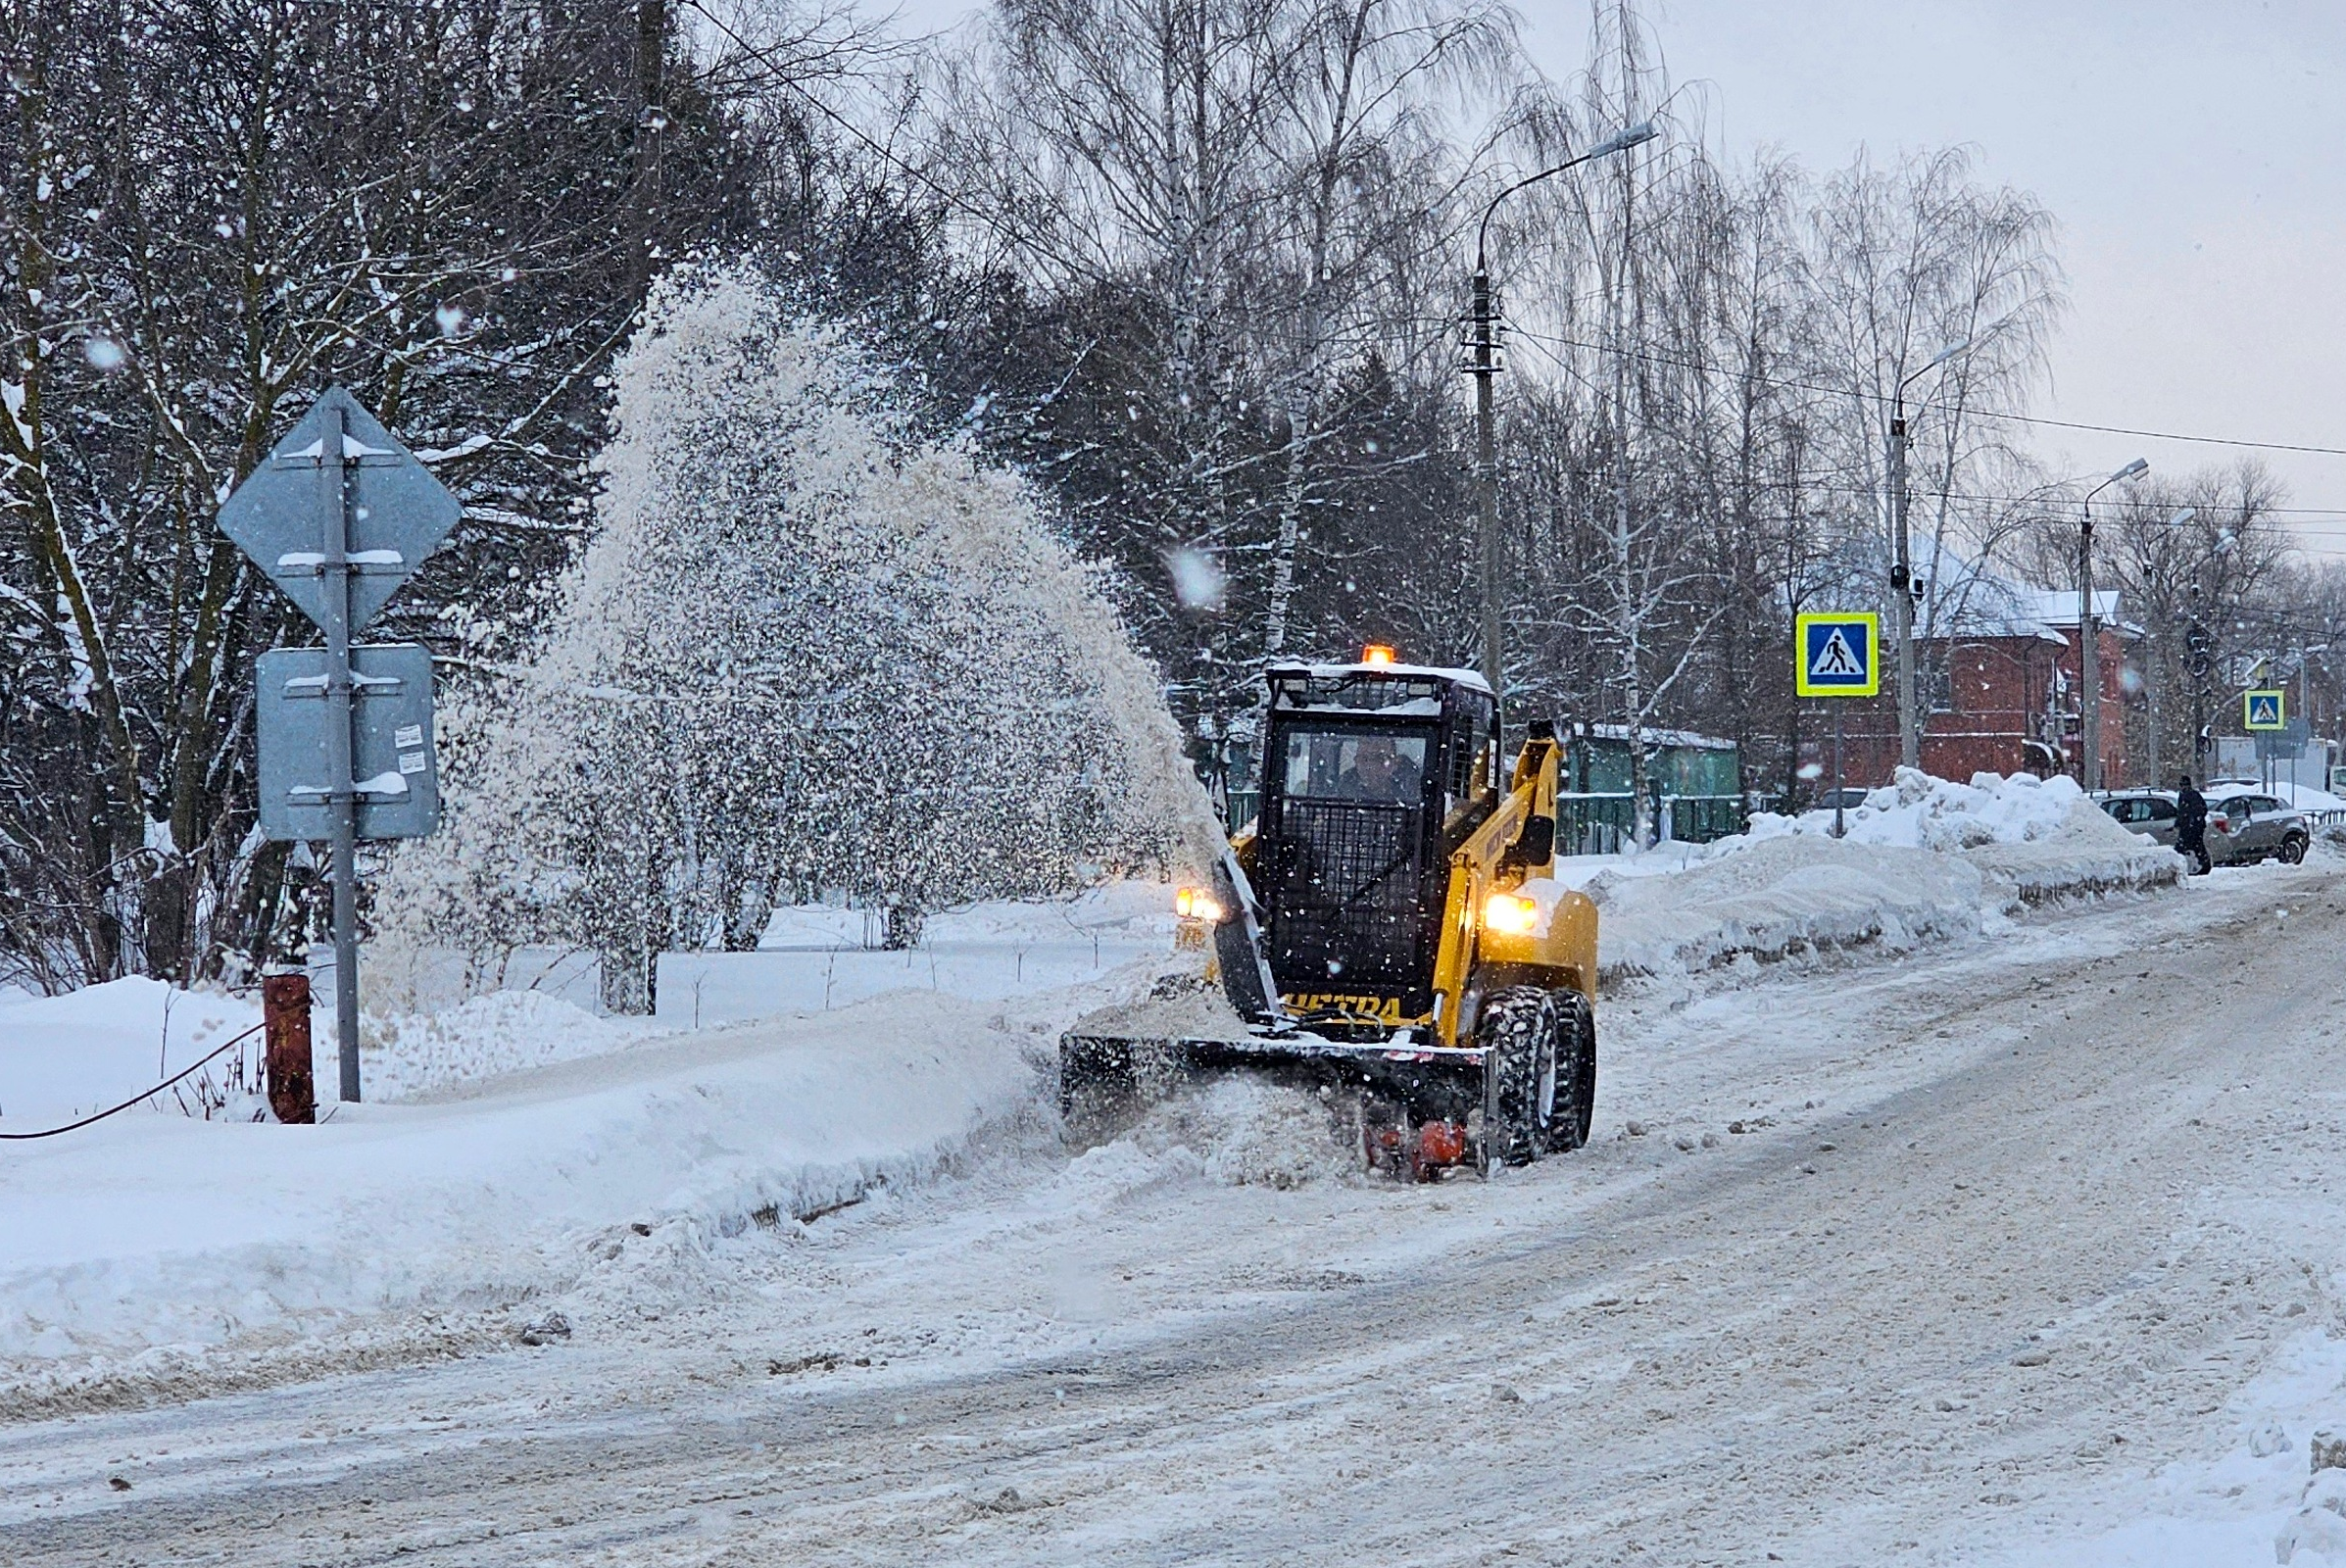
(392, 756)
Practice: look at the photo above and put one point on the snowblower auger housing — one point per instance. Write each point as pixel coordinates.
(1388, 928)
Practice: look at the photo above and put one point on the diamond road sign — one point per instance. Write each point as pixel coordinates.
(1835, 654)
(398, 512)
(392, 760)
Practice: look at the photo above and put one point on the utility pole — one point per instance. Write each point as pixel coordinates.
(1910, 746)
(2089, 699)
(1484, 367)
(1902, 595)
(2089, 681)
(1487, 471)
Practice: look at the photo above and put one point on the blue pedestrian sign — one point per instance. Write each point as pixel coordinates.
(2262, 710)
(1837, 654)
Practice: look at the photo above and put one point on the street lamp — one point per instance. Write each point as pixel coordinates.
(1910, 746)
(1485, 367)
(2090, 699)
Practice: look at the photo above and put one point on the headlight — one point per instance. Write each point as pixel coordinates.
(1195, 904)
(1510, 914)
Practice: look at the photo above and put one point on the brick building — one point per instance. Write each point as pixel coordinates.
(2002, 677)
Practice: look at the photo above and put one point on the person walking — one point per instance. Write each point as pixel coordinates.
(2192, 826)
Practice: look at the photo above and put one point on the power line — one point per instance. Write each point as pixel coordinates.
(1677, 363)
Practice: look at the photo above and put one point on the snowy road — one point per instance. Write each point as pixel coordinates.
(2005, 1229)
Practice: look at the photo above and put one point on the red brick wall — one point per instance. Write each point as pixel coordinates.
(1996, 700)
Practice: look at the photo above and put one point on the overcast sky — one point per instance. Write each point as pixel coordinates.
(2194, 151)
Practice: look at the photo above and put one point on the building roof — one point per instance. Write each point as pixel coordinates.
(1973, 602)
(1684, 738)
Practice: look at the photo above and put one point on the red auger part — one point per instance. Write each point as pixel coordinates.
(1440, 1143)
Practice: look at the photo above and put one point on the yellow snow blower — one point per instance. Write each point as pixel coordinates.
(1388, 930)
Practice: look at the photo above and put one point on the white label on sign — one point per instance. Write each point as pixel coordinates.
(406, 735)
(411, 761)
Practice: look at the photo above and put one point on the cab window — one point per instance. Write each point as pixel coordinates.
(1350, 766)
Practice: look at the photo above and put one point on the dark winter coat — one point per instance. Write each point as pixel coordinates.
(2190, 816)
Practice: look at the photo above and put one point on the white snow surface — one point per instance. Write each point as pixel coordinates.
(508, 1140)
(142, 1241)
(1923, 858)
(1919, 811)
(67, 1056)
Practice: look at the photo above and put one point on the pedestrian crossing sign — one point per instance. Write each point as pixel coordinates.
(2262, 710)
(1837, 654)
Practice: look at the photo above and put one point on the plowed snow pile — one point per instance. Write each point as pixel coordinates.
(140, 1248)
(1780, 896)
(1236, 1130)
(1925, 858)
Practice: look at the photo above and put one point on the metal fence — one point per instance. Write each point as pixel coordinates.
(1602, 823)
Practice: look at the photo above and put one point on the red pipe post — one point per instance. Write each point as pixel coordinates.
(286, 1006)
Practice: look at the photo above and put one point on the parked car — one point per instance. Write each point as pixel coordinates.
(2256, 827)
(2150, 812)
(2242, 827)
(1849, 798)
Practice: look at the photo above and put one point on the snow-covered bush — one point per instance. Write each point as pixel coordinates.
(800, 649)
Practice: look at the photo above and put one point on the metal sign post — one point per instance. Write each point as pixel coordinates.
(333, 510)
(339, 516)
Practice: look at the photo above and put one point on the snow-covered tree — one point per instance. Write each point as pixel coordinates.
(803, 650)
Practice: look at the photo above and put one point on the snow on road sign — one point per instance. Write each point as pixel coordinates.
(397, 512)
(2263, 709)
(1837, 654)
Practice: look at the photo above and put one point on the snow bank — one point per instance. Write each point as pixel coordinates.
(1777, 897)
(413, 1055)
(65, 1056)
(142, 1247)
(1921, 813)
(1923, 858)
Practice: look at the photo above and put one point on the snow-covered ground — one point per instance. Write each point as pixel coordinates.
(2012, 1250)
(516, 1145)
(1922, 860)
(1872, 1134)
(506, 1137)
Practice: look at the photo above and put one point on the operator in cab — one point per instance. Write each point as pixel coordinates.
(1380, 773)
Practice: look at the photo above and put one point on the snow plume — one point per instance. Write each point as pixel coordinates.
(802, 649)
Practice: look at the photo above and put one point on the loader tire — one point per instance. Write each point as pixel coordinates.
(1518, 1032)
(1574, 1103)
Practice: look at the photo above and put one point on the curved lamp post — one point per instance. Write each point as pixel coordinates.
(1485, 366)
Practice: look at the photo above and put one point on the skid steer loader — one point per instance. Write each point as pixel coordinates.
(1386, 930)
